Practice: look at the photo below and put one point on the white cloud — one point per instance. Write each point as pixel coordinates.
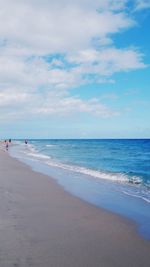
(48, 48)
(106, 62)
(75, 105)
(7, 98)
(36, 104)
(55, 28)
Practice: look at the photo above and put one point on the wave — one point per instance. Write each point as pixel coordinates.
(31, 151)
(40, 156)
(118, 177)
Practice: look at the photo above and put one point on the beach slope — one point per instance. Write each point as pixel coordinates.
(42, 225)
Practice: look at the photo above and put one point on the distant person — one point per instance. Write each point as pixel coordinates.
(9, 140)
(26, 142)
(6, 142)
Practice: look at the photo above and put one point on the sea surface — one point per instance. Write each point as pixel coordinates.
(112, 174)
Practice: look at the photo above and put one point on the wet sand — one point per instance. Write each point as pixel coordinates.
(42, 225)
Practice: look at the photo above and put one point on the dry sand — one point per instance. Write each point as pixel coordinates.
(42, 225)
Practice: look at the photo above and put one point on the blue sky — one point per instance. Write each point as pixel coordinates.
(74, 70)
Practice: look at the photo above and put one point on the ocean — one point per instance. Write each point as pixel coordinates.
(112, 174)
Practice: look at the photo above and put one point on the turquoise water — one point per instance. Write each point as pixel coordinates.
(113, 174)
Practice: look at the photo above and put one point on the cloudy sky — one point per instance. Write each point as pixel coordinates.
(74, 69)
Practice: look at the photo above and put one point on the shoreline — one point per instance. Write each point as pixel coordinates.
(127, 202)
(43, 225)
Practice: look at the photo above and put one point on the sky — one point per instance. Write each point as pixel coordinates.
(74, 69)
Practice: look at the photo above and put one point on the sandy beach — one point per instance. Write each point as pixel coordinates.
(42, 225)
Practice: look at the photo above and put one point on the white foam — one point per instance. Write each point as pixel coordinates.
(97, 174)
(135, 180)
(40, 156)
(146, 199)
(50, 145)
